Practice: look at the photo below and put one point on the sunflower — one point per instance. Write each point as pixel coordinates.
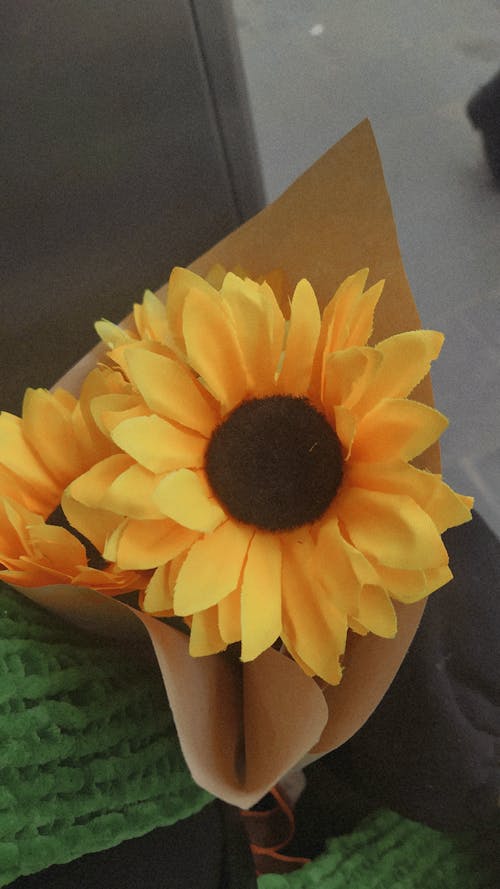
(262, 468)
(53, 442)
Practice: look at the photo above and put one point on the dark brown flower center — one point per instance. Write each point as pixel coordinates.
(275, 463)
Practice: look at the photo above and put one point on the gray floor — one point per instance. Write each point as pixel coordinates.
(314, 70)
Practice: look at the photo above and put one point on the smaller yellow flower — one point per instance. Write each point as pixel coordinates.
(55, 441)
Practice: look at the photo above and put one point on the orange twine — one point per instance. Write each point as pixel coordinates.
(269, 831)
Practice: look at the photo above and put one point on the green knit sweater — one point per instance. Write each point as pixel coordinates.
(89, 757)
(88, 751)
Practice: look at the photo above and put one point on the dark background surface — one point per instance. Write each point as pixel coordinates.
(126, 148)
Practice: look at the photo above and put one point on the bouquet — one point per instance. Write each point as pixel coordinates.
(245, 474)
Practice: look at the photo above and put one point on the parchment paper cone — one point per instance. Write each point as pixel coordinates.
(243, 726)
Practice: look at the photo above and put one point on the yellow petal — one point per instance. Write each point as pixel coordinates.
(57, 547)
(446, 508)
(347, 321)
(347, 373)
(147, 544)
(390, 528)
(14, 487)
(14, 521)
(406, 360)
(261, 596)
(170, 390)
(230, 617)
(95, 444)
(151, 318)
(312, 626)
(376, 612)
(181, 282)
(213, 349)
(353, 310)
(91, 487)
(48, 427)
(159, 445)
(361, 323)
(157, 597)
(411, 586)
(131, 494)
(341, 568)
(110, 409)
(205, 638)
(112, 334)
(18, 457)
(108, 580)
(397, 429)
(184, 496)
(345, 427)
(253, 322)
(94, 524)
(301, 341)
(212, 568)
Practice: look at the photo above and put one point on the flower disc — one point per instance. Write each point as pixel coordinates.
(275, 463)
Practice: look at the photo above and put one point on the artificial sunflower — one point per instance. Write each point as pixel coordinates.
(55, 441)
(262, 468)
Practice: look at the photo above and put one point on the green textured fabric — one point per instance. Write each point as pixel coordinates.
(387, 851)
(89, 756)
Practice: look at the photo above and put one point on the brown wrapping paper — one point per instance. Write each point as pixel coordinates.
(243, 726)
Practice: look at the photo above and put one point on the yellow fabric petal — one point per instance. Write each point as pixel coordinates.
(446, 508)
(396, 429)
(376, 612)
(185, 497)
(390, 528)
(18, 457)
(406, 360)
(147, 544)
(361, 322)
(348, 372)
(151, 318)
(411, 586)
(276, 321)
(180, 283)
(301, 341)
(353, 310)
(252, 319)
(131, 494)
(91, 487)
(158, 597)
(213, 350)
(347, 321)
(205, 638)
(14, 487)
(341, 568)
(212, 568)
(158, 445)
(110, 409)
(65, 398)
(261, 596)
(95, 444)
(312, 626)
(112, 334)
(57, 547)
(230, 617)
(48, 427)
(345, 427)
(109, 580)
(170, 390)
(14, 521)
(94, 524)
